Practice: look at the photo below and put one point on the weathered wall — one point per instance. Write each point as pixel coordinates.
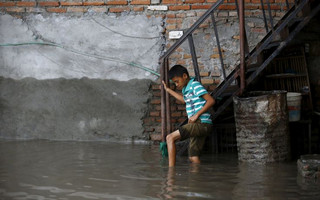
(43, 92)
(72, 109)
(93, 46)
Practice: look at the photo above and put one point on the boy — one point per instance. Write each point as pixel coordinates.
(199, 125)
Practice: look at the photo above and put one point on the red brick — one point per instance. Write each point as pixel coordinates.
(181, 15)
(35, 10)
(273, 7)
(171, 16)
(56, 10)
(211, 1)
(171, 21)
(251, 7)
(194, 1)
(138, 9)
(157, 94)
(271, 1)
(149, 120)
(204, 7)
(182, 7)
(171, 27)
(71, 3)
(117, 2)
(100, 9)
(93, 3)
(7, 4)
(156, 87)
(204, 26)
(76, 9)
(171, 2)
(154, 113)
(176, 114)
(140, 2)
(119, 9)
(227, 7)
(155, 101)
(15, 9)
(26, 3)
(49, 3)
(258, 30)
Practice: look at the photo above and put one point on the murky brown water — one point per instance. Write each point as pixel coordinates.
(46, 170)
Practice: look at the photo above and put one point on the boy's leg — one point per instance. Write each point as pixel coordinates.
(171, 139)
(198, 134)
(195, 146)
(194, 159)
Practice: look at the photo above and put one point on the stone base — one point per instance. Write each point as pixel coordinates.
(309, 166)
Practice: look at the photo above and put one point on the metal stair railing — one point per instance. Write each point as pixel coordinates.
(246, 57)
(164, 64)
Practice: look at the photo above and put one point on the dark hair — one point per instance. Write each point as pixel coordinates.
(177, 70)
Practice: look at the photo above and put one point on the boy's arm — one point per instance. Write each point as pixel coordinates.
(209, 103)
(173, 93)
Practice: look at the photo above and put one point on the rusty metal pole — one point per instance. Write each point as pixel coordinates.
(168, 110)
(163, 103)
(242, 46)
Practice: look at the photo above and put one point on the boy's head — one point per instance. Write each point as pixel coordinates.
(179, 75)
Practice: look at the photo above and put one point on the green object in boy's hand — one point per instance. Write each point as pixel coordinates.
(163, 149)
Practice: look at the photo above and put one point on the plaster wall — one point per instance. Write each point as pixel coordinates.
(72, 109)
(76, 77)
(93, 46)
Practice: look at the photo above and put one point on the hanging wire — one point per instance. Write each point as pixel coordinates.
(124, 35)
(133, 64)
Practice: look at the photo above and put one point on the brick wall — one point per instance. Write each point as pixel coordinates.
(177, 15)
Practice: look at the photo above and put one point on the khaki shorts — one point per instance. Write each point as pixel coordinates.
(197, 132)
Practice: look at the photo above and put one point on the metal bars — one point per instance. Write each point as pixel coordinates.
(244, 57)
(194, 58)
(165, 101)
(218, 45)
(242, 46)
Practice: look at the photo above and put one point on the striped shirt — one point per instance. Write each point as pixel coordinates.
(192, 95)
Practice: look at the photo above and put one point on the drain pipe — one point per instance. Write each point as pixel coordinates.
(242, 46)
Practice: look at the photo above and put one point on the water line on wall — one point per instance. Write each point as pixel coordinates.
(130, 63)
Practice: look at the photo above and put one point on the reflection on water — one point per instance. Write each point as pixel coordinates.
(47, 170)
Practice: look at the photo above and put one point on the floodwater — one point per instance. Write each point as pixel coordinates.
(46, 170)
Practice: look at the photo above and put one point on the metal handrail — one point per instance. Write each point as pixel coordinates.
(196, 25)
(239, 71)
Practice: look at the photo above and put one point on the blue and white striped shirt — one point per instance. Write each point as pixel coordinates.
(192, 95)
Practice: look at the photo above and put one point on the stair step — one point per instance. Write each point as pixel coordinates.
(229, 91)
(252, 67)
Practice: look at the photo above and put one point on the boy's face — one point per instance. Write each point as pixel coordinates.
(180, 81)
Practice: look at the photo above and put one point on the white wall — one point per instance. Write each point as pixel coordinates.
(93, 46)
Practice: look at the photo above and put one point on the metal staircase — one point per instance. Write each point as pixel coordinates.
(252, 63)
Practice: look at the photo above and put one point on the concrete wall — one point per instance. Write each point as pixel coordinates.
(72, 109)
(93, 46)
(90, 83)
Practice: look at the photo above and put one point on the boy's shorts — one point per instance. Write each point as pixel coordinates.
(197, 132)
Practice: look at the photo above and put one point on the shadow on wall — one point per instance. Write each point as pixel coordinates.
(72, 109)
